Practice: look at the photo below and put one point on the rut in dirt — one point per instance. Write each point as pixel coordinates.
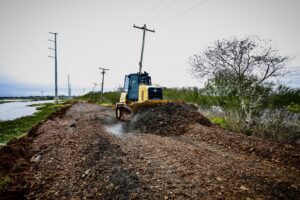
(74, 156)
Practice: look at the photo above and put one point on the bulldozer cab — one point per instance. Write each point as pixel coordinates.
(132, 82)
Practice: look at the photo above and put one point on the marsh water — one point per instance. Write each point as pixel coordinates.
(16, 109)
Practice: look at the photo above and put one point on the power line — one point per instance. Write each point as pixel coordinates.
(151, 10)
(126, 38)
(164, 10)
(124, 56)
(182, 13)
(115, 58)
(118, 47)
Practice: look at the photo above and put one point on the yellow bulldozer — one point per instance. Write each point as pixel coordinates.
(138, 92)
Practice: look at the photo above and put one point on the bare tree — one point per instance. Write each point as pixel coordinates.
(244, 67)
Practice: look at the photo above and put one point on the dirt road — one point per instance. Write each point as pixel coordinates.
(83, 154)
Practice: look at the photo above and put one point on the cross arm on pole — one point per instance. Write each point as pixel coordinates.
(144, 28)
(103, 69)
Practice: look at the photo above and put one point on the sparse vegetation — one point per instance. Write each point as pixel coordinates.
(4, 182)
(15, 128)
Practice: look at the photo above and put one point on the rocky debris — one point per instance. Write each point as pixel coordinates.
(87, 162)
(83, 162)
(178, 169)
(281, 153)
(35, 158)
(73, 125)
(85, 173)
(166, 119)
(243, 188)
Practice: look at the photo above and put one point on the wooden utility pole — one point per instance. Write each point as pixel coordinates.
(144, 28)
(102, 84)
(55, 58)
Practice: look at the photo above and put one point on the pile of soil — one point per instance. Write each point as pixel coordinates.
(169, 119)
(15, 162)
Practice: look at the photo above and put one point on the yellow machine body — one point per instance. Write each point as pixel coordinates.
(143, 93)
(138, 92)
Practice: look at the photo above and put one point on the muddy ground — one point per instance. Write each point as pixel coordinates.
(83, 153)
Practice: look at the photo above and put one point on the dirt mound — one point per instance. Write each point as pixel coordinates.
(15, 162)
(166, 119)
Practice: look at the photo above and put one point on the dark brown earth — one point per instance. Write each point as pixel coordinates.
(82, 153)
(170, 119)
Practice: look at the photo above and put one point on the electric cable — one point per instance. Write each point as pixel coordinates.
(181, 14)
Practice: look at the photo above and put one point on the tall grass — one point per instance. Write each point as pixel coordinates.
(190, 95)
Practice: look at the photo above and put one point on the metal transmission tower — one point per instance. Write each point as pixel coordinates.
(102, 84)
(69, 87)
(144, 28)
(55, 59)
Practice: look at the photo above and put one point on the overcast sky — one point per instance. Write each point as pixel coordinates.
(100, 33)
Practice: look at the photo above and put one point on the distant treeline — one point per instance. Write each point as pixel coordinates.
(108, 97)
(282, 97)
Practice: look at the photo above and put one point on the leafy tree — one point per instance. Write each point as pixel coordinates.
(240, 72)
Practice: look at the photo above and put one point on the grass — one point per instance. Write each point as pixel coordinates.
(16, 128)
(221, 121)
(5, 181)
(293, 107)
(2, 102)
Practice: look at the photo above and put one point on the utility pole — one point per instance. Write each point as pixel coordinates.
(55, 59)
(102, 84)
(69, 87)
(42, 93)
(144, 28)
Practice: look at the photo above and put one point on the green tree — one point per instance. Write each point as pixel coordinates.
(240, 73)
